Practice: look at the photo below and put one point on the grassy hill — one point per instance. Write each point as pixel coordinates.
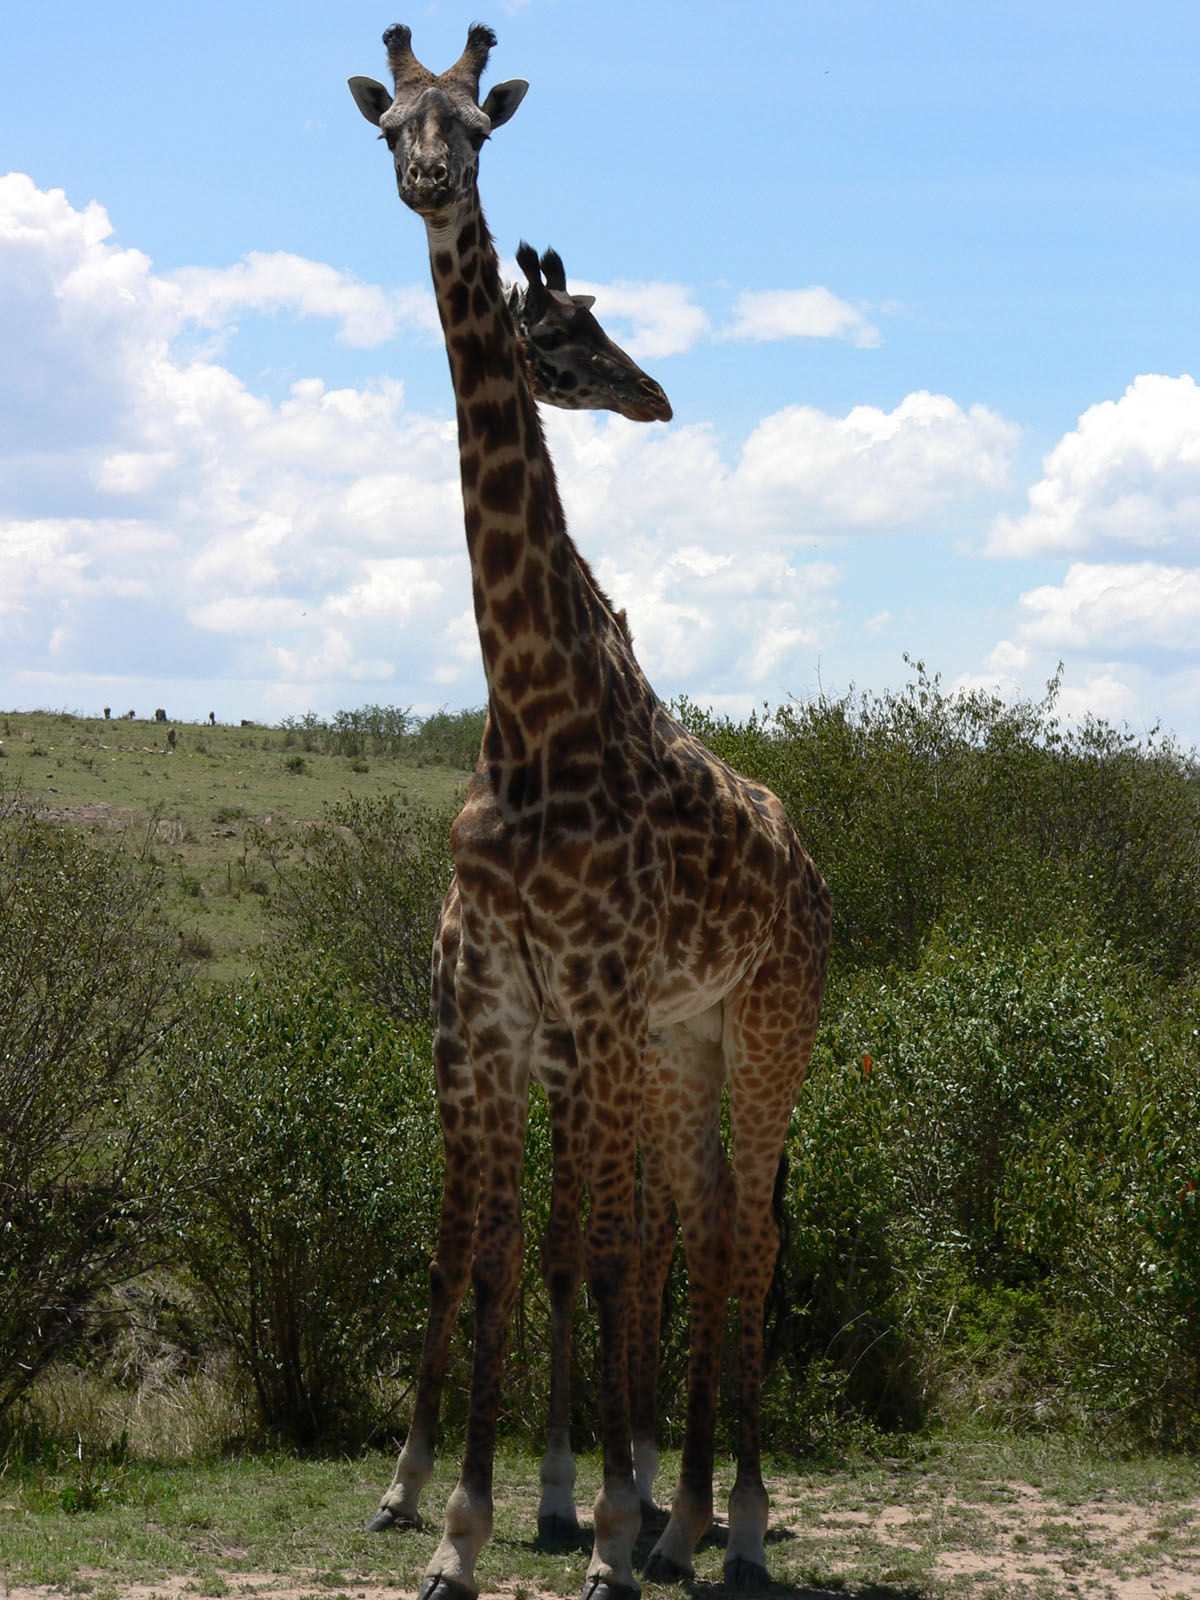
(198, 809)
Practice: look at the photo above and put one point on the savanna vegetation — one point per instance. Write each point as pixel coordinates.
(219, 1159)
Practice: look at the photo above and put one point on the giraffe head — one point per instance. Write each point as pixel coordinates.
(435, 126)
(572, 361)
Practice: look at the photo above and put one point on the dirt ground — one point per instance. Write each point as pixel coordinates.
(1015, 1543)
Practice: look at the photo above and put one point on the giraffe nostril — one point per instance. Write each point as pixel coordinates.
(414, 172)
(439, 173)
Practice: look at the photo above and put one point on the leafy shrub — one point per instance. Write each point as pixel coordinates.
(299, 1146)
(1111, 1202)
(88, 974)
(923, 807)
(446, 738)
(941, 1227)
(367, 892)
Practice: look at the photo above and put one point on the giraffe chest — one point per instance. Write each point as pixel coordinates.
(662, 896)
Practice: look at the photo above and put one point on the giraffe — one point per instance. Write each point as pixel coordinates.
(572, 362)
(574, 365)
(638, 925)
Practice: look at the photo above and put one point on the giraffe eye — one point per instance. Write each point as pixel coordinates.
(549, 338)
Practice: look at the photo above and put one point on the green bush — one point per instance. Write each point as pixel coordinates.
(88, 975)
(448, 739)
(1110, 1200)
(445, 738)
(300, 1149)
(974, 1190)
(922, 808)
(366, 893)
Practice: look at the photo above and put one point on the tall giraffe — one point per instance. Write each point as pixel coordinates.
(574, 365)
(635, 918)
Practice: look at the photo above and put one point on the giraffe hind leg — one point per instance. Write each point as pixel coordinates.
(681, 1114)
(770, 1026)
(562, 1265)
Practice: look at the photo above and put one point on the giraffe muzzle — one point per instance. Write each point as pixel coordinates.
(425, 185)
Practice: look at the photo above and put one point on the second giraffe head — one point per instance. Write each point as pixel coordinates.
(435, 126)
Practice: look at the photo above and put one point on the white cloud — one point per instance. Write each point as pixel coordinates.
(277, 281)
(163, 523)
(663, 317)
(875, 468)
(816, 313)
(1101, 694)
(1126, 477)
(1122, 608)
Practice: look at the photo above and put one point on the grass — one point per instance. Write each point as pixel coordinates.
(197, 809)
(985, 1517)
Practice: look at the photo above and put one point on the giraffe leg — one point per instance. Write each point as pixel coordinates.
(612, 1062)
(499, 1034)
(562, 1265)
(657, 1239)
(685, 1117)
(770, 1026)
(449, 1270)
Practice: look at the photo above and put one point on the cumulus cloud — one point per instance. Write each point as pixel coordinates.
(653, 320)
(1117, 608)
(163, 522)
(875, 468)
(815, 313)
(278, 281)
(1126, 477)
(650, 320)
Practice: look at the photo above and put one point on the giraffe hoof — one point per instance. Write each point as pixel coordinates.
(435, 1587)
(662, 1569)
(747, 1577)
(385, 1519)
(557, 1532)
(602, 1588)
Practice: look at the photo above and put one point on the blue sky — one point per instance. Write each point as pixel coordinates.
(919, 279)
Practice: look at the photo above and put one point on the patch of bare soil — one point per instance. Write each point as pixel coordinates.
(98, 812)
(1018, 1543)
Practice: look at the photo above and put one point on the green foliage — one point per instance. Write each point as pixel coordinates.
(87, 977)
(449, 739)
(1110, 1199)
(923, 807)
(366, 893)
(299, 1146)
(989, 1191)
(995, 1161)
(446, 738)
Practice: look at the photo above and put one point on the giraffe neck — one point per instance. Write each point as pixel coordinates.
(545, 629)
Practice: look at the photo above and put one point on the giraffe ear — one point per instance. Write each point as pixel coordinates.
(585, 302)
(503, 99)
(371, 98)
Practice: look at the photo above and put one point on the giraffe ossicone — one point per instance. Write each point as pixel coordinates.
(637, 926)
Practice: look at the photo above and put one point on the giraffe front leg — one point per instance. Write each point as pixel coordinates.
(756, 1245)
(500, 1054)
(450, 1574)
(449, 1271)
(556, 1068)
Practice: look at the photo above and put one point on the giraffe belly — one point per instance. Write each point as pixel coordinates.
(698, 1003)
